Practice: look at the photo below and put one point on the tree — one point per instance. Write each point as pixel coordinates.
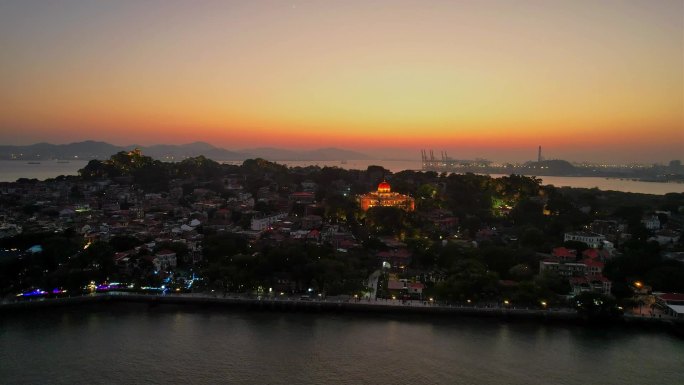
(469, 194)
(99, 255)
(468, 279)
(632, 215)
(124, 242)
(526, 293)
(339, 207)
(218, 246)
(520, 272)
(386, 220)
(499, 259)
(667, 276)
(551, 282)
(532, 237)
(96, 169)
(198, 167)
(637, 261)
(528, 212)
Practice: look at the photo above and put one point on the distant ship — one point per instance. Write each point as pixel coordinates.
(343, 162)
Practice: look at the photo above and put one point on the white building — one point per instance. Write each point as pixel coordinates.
(666, 237)
(164, 259)
(260, 224)
(591, 239)
(595, 283)
(562, 268)
(652, 222)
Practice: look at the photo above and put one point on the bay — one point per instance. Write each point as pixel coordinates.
(11, 170)
(142, 345)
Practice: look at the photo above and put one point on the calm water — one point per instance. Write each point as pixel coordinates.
(159, 345)
(12, 170)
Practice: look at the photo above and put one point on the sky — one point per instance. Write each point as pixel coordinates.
(586, 80)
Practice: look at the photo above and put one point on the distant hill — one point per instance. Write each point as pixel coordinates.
(169, 152)
(45, 151)
(552, 167)
(101, 150)
(275, 154)
(270, 153)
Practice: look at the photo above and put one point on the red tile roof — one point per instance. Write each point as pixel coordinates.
(593, 263)
(591, 253)
(672, 297)
(563, 252)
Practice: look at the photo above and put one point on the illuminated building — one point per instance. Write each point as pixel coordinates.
(385, 197)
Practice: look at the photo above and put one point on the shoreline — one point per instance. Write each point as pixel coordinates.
(545, 316)
(615, 182)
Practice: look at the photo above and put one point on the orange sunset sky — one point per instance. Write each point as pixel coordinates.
(594, 80)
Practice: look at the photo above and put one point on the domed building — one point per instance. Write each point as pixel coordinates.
(385, 197)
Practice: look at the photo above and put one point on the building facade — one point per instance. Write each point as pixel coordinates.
(592, 239)
(386, 198)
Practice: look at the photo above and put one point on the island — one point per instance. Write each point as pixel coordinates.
(260, 234)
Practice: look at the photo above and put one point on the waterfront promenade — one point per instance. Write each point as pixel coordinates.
(294, 303)
(329, 305)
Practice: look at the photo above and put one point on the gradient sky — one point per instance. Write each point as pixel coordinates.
(597, 80)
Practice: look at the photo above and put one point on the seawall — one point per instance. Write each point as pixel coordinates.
(334, 306)
(290, 305)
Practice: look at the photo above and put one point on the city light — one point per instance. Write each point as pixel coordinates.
(32, 293)
(359, 156)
